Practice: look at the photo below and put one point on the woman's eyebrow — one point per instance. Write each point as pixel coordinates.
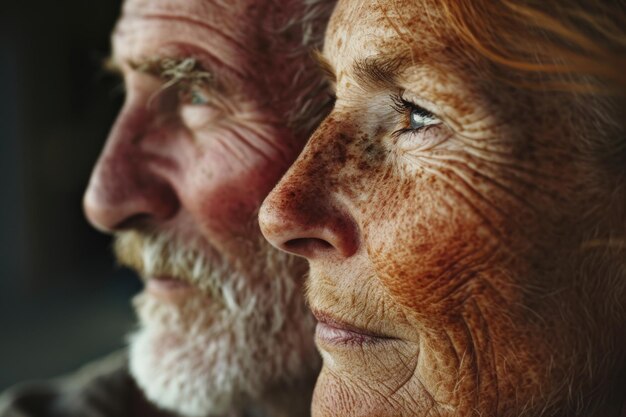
(379, 71)
(325, 66)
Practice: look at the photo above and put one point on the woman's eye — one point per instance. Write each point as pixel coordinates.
(414, 117)
(419, 118)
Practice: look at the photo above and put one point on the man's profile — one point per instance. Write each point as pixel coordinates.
(220, 98)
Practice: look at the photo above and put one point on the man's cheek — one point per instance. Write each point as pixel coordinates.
(227, 212)
(229, 193)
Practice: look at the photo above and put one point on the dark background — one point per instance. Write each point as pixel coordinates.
(63, 301)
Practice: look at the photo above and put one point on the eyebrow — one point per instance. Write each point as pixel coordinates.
(184, 71)
(325, 66)
(379, 71)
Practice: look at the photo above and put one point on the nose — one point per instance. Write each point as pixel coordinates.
(305, 218)
(124, 189)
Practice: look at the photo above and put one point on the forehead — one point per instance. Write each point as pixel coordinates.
(394, 29)
(211, 12)
(230, 31)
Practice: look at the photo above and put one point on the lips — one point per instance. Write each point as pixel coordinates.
(168, 288)
(332, 331)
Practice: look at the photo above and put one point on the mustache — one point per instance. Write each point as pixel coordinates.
(153, 254)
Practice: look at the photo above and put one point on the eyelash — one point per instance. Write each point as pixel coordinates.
(404, 107)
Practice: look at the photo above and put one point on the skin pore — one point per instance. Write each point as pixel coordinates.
(446, 215)
(220, 98)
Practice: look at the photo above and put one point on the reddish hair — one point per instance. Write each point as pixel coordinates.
(571, 45)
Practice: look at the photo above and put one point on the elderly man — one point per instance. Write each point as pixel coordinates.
(221, 97)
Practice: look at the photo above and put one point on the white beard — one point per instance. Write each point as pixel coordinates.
(224, 347)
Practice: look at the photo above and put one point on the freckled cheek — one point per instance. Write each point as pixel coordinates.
(419, 244)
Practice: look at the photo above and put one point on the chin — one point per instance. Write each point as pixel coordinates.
(240, 335)
(188, 375)
(204, 358)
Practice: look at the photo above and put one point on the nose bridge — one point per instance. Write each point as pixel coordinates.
(122, 185)
(325, 156)
(120, 160)
(305, 213)
(126, 133)
(313, 179)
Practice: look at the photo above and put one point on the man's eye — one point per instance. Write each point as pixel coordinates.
(415, 118)
(195, 96)
(199, 98)
(199, 107)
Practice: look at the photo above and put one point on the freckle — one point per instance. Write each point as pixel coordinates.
(339, 43)
(348, 85)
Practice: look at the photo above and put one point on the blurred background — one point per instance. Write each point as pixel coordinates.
(63, 301)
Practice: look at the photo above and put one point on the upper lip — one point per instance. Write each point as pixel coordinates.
(331, 321)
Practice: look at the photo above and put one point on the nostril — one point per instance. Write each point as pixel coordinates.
(306, 246)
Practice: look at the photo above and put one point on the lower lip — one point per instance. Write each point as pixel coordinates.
(329, 334)
(168, 289)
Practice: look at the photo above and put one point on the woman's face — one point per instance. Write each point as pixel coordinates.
(439, 209)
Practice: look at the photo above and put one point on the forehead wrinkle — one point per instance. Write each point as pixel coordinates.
(193, 21)
(225, 75)
(233, 67)
(216, 13)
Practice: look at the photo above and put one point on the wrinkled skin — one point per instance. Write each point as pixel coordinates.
(194, 165)
(207, 167)
(462, 248)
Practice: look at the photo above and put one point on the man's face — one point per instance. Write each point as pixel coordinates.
(210, 123)
(444, 215)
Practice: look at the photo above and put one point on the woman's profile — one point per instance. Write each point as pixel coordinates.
(463, 210)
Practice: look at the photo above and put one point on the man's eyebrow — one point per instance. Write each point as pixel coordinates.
(184, 72)
(379, 71)
(325, 66)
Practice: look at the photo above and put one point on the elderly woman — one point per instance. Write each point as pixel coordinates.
(463, 209)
